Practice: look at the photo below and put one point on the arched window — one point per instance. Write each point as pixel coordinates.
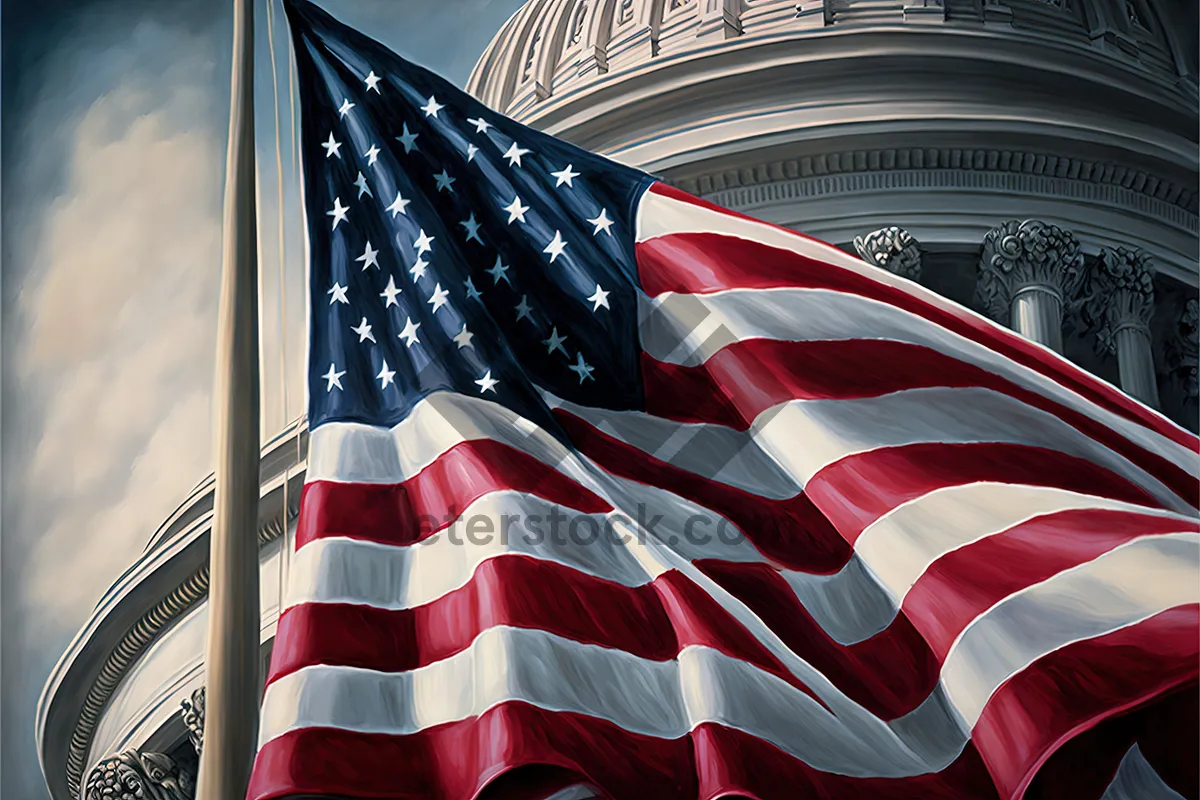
(577, 24)
(533, 50)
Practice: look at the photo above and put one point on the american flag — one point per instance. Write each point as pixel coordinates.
(613, 492)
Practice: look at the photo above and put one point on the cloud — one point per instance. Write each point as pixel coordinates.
(120, 306)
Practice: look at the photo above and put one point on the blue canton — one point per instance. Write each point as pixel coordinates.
(452, 249)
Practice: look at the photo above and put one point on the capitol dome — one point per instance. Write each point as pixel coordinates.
(917, 125)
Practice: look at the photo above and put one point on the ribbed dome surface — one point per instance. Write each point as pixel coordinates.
(551, 47)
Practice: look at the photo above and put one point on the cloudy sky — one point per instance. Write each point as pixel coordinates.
(114, 116)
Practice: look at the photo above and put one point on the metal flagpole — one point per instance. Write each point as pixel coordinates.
(232, 657)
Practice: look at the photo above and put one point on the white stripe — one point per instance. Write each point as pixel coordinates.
(824, 315)
(901, 545)
(1113, 591)
(662, 699)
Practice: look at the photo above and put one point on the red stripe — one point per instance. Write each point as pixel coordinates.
(744, 379)
(1075, 688)
(791, 532)
(859, 489)
(432, 499)
(459, 760)
(706, 262)
(655, 621)
(964, 583)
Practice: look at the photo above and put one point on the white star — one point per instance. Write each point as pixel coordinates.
(417, 270)
(472, 228)
(565, 175)
(397, 206)
(515, 210)
(439, 297)
(514, 154)
(345, 109)
(444, 181)
(339, 294)
(409, 140)
(372, 82)
(472, 292)
(499, 273)
(582, 368)
(431, 107)
(471, 151)
(369, 258)
(424, 243)
(555, 342)
(409, 334)
(481, 125)
(364, 331)
(602, 223)
(334, 377)
(463, 338)
(390, 293)
(332, 146)
(487, 383)
(599, 298)
(523, 310)
(361, 183)
(338, 213)
(556, 247)
(386, 375)
(372, 155)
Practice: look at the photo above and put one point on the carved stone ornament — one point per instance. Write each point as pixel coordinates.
(139, 776)
(1182, 356)
(1122, 296)
(193, 718)
(893, 249)
(1028, 256)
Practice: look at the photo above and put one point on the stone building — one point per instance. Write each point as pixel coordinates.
(1033, 159)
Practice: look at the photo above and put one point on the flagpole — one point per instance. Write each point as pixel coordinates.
(232, 659)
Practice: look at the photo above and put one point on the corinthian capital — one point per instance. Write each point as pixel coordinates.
(893, 249)
(1028, 256)
(1182, 349)
(1122, 295)
(139, 776)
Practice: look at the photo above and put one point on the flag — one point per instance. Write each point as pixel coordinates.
(614, 492)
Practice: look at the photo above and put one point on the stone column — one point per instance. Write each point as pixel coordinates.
(1123, 290)
(1028, 273)
(893, 249)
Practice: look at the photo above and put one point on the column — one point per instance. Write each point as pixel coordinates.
(893, 249)
(1028, 272)
(1123, 288)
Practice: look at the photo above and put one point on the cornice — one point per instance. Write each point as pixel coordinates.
(1008, 170)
